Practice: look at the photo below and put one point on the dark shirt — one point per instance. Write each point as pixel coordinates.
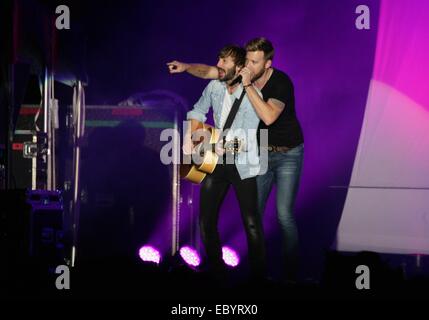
(286, 130)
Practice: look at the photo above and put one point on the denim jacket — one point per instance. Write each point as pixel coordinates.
(244, 127)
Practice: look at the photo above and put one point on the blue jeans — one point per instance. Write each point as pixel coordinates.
(284, 169)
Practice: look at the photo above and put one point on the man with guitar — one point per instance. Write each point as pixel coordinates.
(233, 113)
(285, 138)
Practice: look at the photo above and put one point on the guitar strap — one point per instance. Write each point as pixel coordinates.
(233, 111)
(231, 116)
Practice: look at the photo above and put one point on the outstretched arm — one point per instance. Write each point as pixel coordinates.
(196, 69)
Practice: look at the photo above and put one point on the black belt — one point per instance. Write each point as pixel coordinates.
(271, 148)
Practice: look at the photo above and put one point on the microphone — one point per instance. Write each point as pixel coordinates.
(236, 80)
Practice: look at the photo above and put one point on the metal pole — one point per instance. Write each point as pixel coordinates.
(9, 138)
(175, 193)
(79, 123)
(45, 133)
(45, 100)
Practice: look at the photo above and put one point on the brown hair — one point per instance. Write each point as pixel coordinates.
(261, 44)
(237, 53)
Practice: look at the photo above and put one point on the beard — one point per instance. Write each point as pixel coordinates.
(227, 74)
(258, 75)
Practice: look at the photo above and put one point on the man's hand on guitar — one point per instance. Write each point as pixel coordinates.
(219, 150)
(188, 146)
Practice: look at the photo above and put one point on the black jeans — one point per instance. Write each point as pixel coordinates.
(213, 191)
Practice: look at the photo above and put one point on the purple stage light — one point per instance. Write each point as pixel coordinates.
(230, 256)
(190, 256)
(149, 254)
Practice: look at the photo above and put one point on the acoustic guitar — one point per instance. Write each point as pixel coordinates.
(196, 172)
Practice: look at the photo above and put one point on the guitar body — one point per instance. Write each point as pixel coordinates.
(209, 158)
(197, 172)
(191, 173)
